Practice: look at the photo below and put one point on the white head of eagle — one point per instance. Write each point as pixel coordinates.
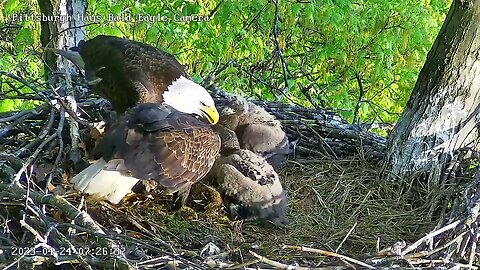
(187, 96)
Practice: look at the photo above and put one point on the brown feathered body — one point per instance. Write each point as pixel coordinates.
(127, 72)
(250, 186)
(257, 130)
(151, 141)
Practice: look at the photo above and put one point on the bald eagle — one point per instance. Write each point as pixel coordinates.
(151, 141)
(127, 72)
(166, 136)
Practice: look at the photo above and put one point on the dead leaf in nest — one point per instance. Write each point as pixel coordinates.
(65, 177)
(50, 187)
(98, 130)
(135, 234)
(56, 190)
(57, 215)
(90, 137)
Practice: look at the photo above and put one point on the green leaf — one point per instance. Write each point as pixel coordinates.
(116, 9)
(10, 6)
(7, 105)
(25, 35)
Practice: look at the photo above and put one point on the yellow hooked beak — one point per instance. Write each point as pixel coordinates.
(210, 113)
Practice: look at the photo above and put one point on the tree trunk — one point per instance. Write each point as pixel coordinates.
(62, 34)
(442, 115)
(49, 30)
(71, 31)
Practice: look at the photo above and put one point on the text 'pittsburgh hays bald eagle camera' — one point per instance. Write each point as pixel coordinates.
(165, 131)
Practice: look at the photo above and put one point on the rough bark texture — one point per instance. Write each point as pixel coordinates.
(49, 30)
(71, 31)
(442, 115)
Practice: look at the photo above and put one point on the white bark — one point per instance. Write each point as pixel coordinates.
(71, 32)
(443, 113)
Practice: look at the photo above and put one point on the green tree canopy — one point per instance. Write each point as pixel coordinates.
(360, 57)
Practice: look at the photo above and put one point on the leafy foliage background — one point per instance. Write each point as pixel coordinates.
(360, 58)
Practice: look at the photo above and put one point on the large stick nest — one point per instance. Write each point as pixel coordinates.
(343, 215)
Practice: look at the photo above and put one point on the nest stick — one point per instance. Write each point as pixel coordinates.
(279, 265)
(330, 254)
(429, 236)
(346, 236)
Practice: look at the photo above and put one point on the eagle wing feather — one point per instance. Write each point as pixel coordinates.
(173, 148)
(127, 72)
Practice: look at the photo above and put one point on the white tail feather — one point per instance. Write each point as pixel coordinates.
(103, 184)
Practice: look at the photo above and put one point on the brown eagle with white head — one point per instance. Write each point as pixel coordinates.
(127, 72)
(166, 136)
